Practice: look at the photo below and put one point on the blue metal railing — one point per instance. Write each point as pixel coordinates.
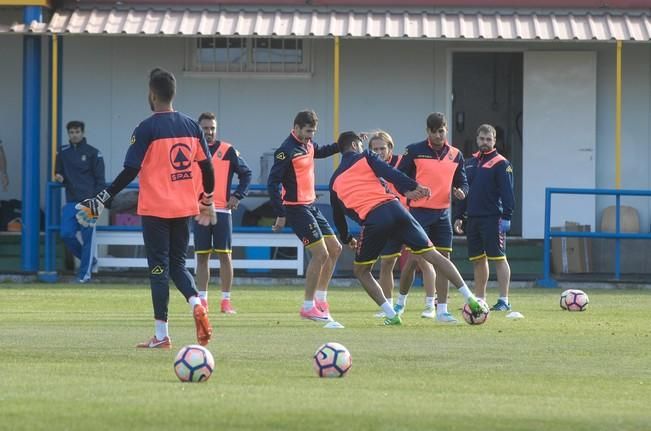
(547, 280)
(53, 217)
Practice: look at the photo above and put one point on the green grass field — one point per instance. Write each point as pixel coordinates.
(67, 361)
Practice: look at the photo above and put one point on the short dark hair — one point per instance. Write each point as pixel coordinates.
(436, 120)
(75, 124)
(207, 116)
(306, 118)
(346, 139)
(163, 84)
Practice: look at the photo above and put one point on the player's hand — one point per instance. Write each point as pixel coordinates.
(458, 193)
(89, 210)
(458, 226)
(353, 243)
(233, 203)
(505, 225)
(58, 178)
(279, 224)
(419, 192)
(207, 215)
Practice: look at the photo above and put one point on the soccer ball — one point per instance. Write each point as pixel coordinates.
(194, 363)
(473, 319)
(574, 300)
(332, 360)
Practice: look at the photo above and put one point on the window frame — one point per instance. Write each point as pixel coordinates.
(248, 68)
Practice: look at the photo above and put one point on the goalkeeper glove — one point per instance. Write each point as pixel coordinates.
(505, 225)
(207, 215)
(89, 210)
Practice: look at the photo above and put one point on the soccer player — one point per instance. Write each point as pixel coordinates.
(162, 150)
(489, 207)
(439, 166)
(293, 168)
(381, 143)
(217, 239)
(357, 188)
(80, 168)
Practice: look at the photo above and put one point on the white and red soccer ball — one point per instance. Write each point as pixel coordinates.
(574, 300)
(194, 363)
(332, 360)
(476, 319)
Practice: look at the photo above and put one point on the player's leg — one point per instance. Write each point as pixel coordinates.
(441, 236)
(307, 230)
(388, 258)
(407, 276)
(156, 235)
(203, 238)
(69, 228)
(334, 251)
(477, 255)
(371, 242)
(222, 243)
(480, 271)
(179, 238)
(87, 251)
(496, 252)
(415, 237)
(429, 284)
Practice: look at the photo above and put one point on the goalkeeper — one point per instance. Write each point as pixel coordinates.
(162, 150)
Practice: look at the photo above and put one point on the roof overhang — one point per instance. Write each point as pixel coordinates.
(541, 25)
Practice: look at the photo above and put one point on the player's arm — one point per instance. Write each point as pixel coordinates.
(323, 151)
(407, 165)
(282, 160)
(99, 172)
(339, 217)
(243, 173)
(58, 169)
(460, 180)
(89, 210)
(382, 169)
(505, 188)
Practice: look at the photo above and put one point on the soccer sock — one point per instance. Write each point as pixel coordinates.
(505, 299)
(203, 294)
(194, 301)
(441, 308)
(429, 302)
(402, 299)
(226, 295)
(390, 301)
(161, 329)
(388, 310)
(321, 295)
(465, 291)
(307, 305)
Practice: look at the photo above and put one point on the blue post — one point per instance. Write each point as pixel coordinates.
(31, 144)
(52, 192)
(617, 240)
(547, 280)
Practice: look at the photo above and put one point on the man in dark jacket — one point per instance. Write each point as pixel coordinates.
(80, 168)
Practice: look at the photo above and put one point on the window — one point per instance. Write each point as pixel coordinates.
(249, 56)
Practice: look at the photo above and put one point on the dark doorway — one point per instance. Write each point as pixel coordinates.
(487, 88)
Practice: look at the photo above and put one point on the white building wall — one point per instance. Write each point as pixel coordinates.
(105, 80)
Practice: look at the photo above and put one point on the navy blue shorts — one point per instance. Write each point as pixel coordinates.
(393, 248)
(485, 238)
(216, 238)
(307, 222)
(437, 225)
(389, 222)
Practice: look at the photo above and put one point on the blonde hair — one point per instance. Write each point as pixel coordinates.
(382, 135)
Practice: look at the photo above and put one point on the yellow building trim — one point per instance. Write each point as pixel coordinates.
(44, 3)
